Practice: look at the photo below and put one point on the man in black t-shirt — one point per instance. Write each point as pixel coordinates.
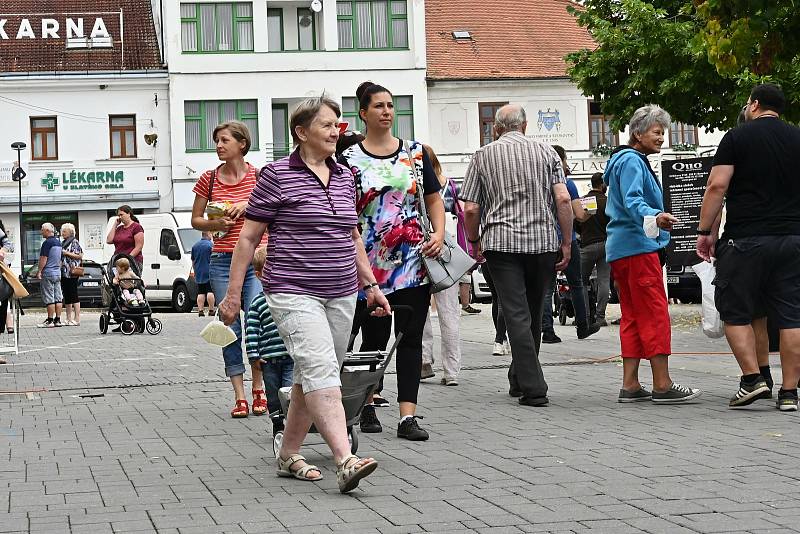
(758, 255)
(593, 248)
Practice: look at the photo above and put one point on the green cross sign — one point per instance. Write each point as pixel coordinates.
(50, 181)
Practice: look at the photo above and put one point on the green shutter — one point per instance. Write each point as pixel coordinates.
(197, 111)
(241, 18)
(396, 18)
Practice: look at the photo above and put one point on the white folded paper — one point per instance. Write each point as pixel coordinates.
(218, 334)
(589, 204)
(650, 226)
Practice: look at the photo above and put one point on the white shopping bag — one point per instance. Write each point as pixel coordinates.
(712, 324)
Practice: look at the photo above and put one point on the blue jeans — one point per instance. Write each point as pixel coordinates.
(576, 290)
(277, 374)
(220, 270)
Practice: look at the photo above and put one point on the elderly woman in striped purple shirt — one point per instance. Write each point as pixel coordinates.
(315, 264)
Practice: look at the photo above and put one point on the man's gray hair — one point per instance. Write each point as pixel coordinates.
(510, 118)
(69, 227)
(645, 118)
(49, 227)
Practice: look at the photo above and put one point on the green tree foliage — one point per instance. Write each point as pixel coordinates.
(696, 58)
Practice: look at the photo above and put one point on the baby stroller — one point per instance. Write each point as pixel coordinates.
(360, 374)
(131, 319)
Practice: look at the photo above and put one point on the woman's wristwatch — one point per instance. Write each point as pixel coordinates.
(370, 286)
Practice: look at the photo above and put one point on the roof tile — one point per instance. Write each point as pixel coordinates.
(510, 38)
(141, 50)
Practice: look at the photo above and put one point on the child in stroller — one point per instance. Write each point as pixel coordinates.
(123, 294)
(129, 282)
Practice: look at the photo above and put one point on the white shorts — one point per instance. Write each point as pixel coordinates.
(315, 332)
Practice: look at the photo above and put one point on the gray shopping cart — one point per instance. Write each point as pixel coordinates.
(360, 374)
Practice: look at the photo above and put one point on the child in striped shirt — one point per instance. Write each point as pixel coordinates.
(263, 342)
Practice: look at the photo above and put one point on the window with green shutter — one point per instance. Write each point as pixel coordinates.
(403, 126)
(208, 28)
(202, 116)
(372, 24)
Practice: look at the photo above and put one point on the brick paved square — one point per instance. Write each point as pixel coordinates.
(152, 448)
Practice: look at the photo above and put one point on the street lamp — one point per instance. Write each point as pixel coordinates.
(18, 176)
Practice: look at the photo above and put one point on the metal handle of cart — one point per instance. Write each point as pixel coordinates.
(370, 358)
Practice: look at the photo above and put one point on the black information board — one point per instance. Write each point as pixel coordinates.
(684, 182)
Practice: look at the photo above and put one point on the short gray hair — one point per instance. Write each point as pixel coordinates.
(645, 118)
(49, 227)
(509, 118)
(69, 227)
(304, 114)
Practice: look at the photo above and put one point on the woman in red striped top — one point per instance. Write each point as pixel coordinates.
(231, 183)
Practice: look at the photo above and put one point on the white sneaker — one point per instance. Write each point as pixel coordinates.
(499, 349)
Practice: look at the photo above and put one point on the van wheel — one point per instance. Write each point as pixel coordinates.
(180, 299)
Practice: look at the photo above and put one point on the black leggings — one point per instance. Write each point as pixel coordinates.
(375, 333)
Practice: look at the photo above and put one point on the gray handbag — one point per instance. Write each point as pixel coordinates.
(453, 262)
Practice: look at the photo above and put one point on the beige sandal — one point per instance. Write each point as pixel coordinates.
(349, 476)
(285, 468)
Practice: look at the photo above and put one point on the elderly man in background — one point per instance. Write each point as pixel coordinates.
(50, 274)
(519, 184)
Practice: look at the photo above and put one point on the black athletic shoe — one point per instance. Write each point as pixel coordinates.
(379, 402)
(749, 393)
(639, 395)
(369, 421)
(787, 400)
(676, 394)
(550, 338)
(409, 429)
(277, 425)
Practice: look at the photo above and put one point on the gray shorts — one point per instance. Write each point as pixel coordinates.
(51, 290)
(315, 332)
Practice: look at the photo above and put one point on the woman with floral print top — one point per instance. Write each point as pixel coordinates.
(394, 241)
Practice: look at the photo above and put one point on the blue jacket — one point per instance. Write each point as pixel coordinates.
(633, 193)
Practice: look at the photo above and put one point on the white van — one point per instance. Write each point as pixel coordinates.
(167, 270)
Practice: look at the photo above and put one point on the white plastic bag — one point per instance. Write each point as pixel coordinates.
(218, 334)
(712, 324)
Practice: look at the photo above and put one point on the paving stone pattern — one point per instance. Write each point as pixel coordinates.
(153, 449)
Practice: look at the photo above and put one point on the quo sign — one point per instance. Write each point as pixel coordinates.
(680, 166)
(73, 29)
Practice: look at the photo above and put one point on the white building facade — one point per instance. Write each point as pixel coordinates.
(462, 113)
(254, 61)
(477, 64)
(93, 111)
